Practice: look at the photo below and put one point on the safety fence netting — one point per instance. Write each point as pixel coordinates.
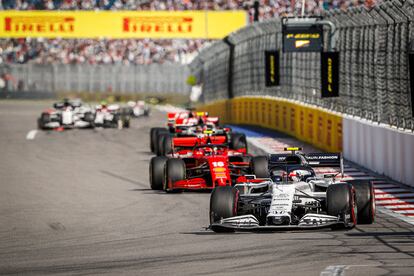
(374, 46)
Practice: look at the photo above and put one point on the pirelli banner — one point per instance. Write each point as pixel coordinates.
(272, 75)
(330, 74)
(119, 25)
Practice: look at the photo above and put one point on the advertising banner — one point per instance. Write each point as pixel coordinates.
(272, 75)
(330, 74)
(121, 25)
(302, 38)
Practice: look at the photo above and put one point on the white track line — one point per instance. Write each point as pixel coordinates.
(31, 134)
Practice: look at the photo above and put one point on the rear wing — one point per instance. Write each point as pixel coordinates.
(187, 142)
(333, 160)
(286, 159)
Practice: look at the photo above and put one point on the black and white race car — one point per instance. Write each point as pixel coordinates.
(111, 116)
(293, 197)
(66, 114)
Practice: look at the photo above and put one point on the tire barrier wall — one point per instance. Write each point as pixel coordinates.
(313, 125)
(382, 149)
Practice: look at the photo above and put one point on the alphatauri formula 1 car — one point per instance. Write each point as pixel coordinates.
(292, 198)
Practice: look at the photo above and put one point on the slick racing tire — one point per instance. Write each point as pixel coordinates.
(167, 144)
(238, 141)
(365, 201)
(126, 121)
(156, 172)
(174, 171)
(160, 148)
(340, 202)
(43, 120)
(259, 166)
(89, 117)
(154, 137)
(223, 204)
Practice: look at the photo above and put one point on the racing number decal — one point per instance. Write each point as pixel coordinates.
(218, 164)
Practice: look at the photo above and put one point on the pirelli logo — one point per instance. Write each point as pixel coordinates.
(158, 24)
(39, 24)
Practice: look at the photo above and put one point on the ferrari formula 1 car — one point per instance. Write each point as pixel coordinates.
(197, 167)
(292, 198)
(66, 114)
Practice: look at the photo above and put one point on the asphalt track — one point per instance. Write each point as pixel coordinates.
(78, 202)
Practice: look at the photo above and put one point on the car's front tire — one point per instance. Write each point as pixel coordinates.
(174, 171)
(156, 172)
(223, 204)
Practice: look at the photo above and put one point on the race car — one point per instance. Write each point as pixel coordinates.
(66, 114)
(197, 167)
(292, 198)
(189, 118)
(110, 116)
(137, 109)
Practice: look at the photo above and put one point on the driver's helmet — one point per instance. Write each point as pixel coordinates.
(277, 175)
(299, 175)
(104, 104)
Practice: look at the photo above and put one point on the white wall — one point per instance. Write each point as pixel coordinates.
(379, 148)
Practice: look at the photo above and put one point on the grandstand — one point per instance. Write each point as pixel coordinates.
(137, 51)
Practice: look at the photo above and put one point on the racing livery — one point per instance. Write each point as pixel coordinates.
(293, 198)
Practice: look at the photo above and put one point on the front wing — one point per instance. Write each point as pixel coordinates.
(248, 223)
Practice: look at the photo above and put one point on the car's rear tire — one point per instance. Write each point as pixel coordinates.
(223, 204)
(156, 172)
(160, 147)
(238, 141)
(155, 134)
(259, 166)
(340, 202)
(174, 171)
(126, 121)
(167, 144)
(365, 201)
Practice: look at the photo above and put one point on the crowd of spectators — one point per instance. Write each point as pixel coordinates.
(138, 51)
(125, 51)
(274, 7)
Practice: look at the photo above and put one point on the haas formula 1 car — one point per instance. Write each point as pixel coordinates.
(197, 164)
(292, 197)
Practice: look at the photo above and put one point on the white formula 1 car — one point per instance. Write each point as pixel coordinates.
(293, 198)
(66, 114)
(110, 116)
(138, 109)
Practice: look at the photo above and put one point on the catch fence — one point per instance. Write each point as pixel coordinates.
(374, 66)
(123, 79)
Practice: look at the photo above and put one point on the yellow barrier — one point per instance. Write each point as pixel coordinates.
(120, 24)
(315, 126)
